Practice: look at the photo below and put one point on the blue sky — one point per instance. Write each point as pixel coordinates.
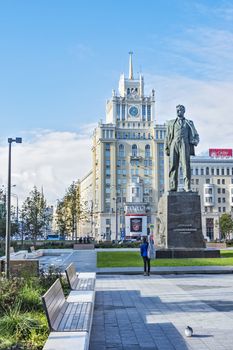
(60, 60)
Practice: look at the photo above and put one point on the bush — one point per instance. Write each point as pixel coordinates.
(30, 297)
(23, 325)
(8, 293)
(29, 330)
(117, 245)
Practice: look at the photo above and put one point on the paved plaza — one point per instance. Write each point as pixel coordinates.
(134, 312)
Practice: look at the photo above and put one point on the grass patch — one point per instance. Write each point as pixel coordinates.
(23, 325)
(133, 259)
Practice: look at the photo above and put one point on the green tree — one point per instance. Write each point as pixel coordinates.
(34, 213)
(14, 225)
(226, 225)
(70, 211)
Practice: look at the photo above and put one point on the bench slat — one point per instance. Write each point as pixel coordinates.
(78, 320)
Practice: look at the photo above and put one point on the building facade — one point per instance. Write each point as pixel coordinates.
(212, 178)
(128, 170)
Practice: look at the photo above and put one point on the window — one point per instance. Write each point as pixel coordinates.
(212, 171)
(223, 190)
(224, 209)
(208, 190)
(219, 200)
(123, 112)
(147, 151)
(149, 113)
(218, 181)
(207, 181)
(219, 190)
(224, 200)
(228, 171)
(210, 228)
(202, 171)
(134, 151)
(217, 171)
(197, 181)
(223, 181)
(118, 110)
(107, 150)
(207, 171)
(121, 151)
(196, 171)
(223, 171)
(219, 209)
(143, 112)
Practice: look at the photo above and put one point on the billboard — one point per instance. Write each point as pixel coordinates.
(136, 225)
(220, 152)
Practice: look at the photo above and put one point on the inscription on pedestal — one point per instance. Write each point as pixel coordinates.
(179, 220)
(185, 229)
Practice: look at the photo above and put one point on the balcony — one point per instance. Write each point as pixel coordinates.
(139, 158)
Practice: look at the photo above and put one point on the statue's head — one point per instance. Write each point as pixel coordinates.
(180, 109)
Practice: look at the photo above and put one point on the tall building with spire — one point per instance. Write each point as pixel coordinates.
(127, 176)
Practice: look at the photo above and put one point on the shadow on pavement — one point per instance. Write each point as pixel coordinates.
(125, 320)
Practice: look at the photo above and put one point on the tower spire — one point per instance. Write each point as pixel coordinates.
(130, 65)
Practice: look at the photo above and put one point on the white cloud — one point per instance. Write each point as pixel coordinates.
(208, 104)
(51, 160)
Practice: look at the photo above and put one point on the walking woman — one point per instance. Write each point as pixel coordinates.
(144, 255)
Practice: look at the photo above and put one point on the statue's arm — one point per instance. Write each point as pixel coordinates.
(195, 137)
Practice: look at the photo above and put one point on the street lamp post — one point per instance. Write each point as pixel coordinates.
(17, 206)
(116, 219)
(8, 216)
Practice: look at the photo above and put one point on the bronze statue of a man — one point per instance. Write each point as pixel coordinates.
(181, 137)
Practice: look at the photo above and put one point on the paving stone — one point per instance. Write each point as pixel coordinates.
(153, 313)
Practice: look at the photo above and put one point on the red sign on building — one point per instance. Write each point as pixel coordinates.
(220, 152)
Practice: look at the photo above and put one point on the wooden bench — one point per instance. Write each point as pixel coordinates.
(82, 281)
(66, 316)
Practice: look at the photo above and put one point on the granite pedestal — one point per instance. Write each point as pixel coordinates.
(179, 227)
